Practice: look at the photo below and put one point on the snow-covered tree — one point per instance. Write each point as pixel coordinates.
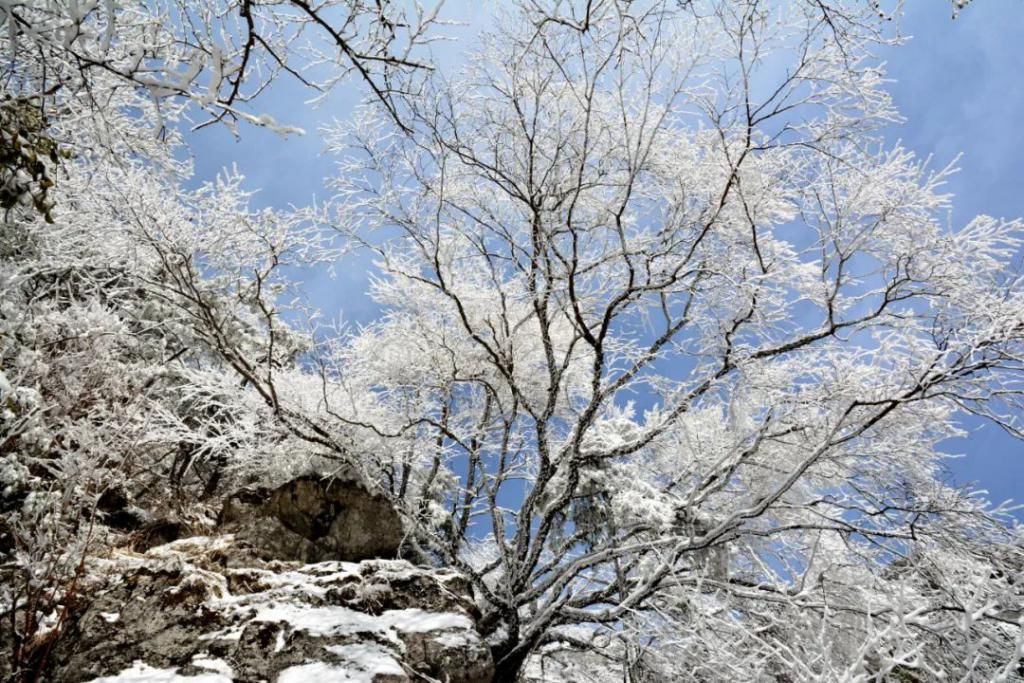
(113, 385)
(131, 309)
(672, 339)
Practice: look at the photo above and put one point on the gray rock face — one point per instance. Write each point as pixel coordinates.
(311, 519)
(195, 606)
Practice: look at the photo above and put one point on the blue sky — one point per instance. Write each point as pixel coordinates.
(959, 83)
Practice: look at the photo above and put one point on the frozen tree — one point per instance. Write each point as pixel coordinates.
(671, 340)
(131, 323)
(112, 382)
(132, 314)
(118, 291)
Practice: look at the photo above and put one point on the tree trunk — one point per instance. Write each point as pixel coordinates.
(507, 666)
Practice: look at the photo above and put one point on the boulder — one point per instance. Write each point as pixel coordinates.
(314, 519)
(193, 608)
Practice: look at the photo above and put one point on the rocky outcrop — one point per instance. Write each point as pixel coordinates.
(202, 610)
(298, 584)
(314, 519)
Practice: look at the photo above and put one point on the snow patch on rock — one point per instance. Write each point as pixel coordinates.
(140, 672)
